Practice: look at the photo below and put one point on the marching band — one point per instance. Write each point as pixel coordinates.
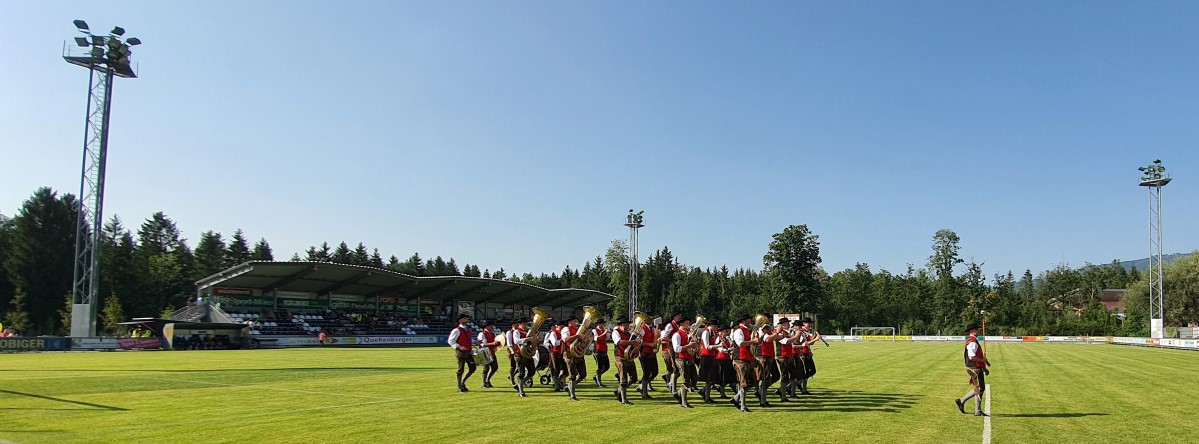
(748, 355)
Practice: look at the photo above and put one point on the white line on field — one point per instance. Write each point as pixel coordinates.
(4, 441)
(987, 419)
(264, 387)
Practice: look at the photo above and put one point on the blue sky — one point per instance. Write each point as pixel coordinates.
(518, 134)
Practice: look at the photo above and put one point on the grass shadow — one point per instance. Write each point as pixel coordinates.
(1047, 415)
(68, 401)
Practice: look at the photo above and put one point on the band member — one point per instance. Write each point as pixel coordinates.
(684, 346)
(726, 376)
(599, 337)
(786, 358)
(668, 356)
(976, 367)
(462, 340)
(745, 363)
(626, 369)
(707, 359)
(487, 338)
(808, 368)
(649, 362)
(576, 368)
(518, 336)
(553, 341)
(768, 369)
(513, 349)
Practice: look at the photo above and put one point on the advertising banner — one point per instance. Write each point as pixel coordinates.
(93, 343)
(350, 305)
(143, 343)
(232, 292)
(32, 344)
(303, 304)
(885, 338)
(395, 340)
(244, 302)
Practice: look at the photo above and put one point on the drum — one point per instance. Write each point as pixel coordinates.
(483, 356)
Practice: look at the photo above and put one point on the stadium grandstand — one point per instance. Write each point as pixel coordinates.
(282, 299)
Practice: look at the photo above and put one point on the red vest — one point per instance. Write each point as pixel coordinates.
(647, 338)
(601, 341)
(464, 337)
(767, 347)
(721, 355)
(557, 349)
(711, 341)
(785, 350)
(620, 336)
(489, 337)
(568, 331)
(743, 352)
(805, 350)
(966, 353)
(683, 341)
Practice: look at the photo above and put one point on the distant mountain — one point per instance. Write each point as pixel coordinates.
(1143, 264)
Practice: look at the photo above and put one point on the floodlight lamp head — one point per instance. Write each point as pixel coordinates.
(97, 40)
(118, 31)
(97, 51)
(82, 42)
(81, 25)
(133, 41)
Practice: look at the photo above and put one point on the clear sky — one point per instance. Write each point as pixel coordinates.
(518, 134)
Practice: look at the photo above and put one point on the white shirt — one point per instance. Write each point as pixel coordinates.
(517, 337)
(708, 339)
(616, 336)
(676, 340)
(667, 331)
(553, 339)
(595, 335)
(972, 350)
(739, 337)
(453, 339)
(482, 338)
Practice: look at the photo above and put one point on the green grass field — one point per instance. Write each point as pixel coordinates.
(864, 392)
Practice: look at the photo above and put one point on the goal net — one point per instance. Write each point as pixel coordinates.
(874, 333)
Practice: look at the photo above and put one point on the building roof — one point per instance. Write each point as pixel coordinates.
(326, 277)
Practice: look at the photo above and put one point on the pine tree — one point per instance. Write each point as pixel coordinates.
(376, 260)
(238, 251)
(39, 255)
(18, 318)
(262, 251)
(342, 254)
(360, 256)
(211, 255)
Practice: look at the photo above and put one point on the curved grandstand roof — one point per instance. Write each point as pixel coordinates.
(326, 277)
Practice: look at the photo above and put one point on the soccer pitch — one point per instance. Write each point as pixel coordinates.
(864, 392)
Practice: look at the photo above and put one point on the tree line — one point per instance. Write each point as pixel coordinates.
(153, 270)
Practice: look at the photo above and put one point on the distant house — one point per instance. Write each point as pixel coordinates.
(1113, 299)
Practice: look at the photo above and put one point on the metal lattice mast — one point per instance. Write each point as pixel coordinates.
(105, 57)
(634, 221)
(1154, 178)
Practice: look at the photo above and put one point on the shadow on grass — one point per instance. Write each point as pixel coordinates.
(68, 401)
(278, 369)
(818, 401)
(1047, 415)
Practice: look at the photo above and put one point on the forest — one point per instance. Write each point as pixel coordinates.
(151, 269)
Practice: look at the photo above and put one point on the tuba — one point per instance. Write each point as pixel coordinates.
(529, 349)
(700, 323)
(634, 351)
(760, 320)
(581, 346)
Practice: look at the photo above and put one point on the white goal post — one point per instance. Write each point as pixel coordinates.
(873, 331)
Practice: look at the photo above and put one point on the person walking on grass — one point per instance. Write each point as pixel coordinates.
(976, 367)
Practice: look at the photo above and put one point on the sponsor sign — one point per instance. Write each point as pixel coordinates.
(940, 338)
(93, 343)
(344, 305)
(303, 304)
(132, 343)
(244, 302)
(30, 344)
(232, 292)
(390, 340)
(885, 338)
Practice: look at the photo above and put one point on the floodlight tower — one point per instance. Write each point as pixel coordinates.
(1153, 177)
(104, 57)
(634, 221)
